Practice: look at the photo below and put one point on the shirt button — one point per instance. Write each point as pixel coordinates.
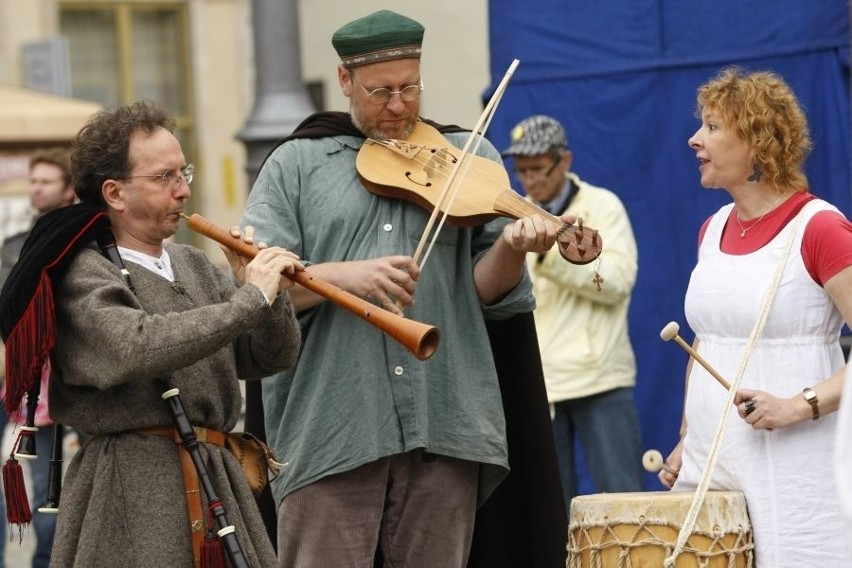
(388, 227)
(398, 370)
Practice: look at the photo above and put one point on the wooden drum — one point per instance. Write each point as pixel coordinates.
(638, 530)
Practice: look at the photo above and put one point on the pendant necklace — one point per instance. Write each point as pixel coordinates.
(744, 230)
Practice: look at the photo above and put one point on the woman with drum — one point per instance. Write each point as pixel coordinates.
(767, 300)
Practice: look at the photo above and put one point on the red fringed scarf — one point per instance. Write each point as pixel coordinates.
(28, 325)
(26, 302)
(29, 344)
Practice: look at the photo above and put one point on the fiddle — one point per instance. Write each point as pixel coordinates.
(417, 169)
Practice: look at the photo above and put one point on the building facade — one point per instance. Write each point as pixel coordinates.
(196, 57)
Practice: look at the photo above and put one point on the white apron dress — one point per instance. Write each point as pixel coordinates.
(787, 474)
(843, 457)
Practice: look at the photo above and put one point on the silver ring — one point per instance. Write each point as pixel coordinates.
(666, 469)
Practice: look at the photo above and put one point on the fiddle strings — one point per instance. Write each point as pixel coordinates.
(514, 212)
(439, 163)
(454, 193)
(477, 130)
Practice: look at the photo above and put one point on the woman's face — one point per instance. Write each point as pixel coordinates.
(725, 160)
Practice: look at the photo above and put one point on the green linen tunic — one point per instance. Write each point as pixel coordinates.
(356, 395)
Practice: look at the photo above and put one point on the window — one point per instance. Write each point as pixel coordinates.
(127, 51)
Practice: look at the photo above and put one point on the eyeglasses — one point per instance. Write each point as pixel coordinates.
(171, 179)
(537, 171)
(382, 95)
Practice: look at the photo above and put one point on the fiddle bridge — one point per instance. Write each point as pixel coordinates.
(399, 147)
(426, 165)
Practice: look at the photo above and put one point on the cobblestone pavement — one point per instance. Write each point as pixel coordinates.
(20, 555)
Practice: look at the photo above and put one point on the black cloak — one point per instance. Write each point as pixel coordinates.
(523, 524)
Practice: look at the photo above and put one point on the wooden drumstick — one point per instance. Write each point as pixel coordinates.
(670, 332)
(652, 461)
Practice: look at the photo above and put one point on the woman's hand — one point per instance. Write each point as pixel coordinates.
(671, 467)
(766, 412)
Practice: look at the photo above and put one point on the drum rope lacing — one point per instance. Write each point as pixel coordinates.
(704, 483)
(645, 535)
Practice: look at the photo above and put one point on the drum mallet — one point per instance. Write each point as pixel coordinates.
(652, 461)
(670, 332)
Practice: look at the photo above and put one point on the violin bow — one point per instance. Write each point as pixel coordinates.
(476, 135)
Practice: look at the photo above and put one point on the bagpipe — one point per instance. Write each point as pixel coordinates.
(25, 448)
(28, 329)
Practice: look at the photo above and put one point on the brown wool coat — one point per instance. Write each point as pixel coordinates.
(123, 501)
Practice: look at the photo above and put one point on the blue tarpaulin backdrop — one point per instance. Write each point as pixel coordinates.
(622, 76)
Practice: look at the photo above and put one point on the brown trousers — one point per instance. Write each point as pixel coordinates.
(419, 508)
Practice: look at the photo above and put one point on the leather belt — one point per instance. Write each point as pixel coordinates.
(207, 435)
(194, 505)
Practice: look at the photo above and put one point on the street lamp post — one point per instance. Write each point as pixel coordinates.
(281, 102)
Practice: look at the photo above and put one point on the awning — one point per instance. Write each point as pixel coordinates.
(28, 116)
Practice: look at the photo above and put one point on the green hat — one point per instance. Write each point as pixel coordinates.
(380, 36)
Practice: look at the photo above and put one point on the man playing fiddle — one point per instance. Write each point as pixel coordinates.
(386, 452)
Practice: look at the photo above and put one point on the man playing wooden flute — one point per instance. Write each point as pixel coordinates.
(131, 497)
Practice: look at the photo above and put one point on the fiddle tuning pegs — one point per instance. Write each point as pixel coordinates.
(579, 244)
(578, 236)
(580, 226)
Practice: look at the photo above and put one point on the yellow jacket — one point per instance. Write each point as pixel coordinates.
(582, 332)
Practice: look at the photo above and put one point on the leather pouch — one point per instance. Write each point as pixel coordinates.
(256, 458)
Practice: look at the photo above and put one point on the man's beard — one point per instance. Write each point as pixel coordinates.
(374, 132)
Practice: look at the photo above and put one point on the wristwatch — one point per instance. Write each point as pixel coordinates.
(811, 396)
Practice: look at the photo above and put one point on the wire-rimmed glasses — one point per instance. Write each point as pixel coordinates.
(535, 172)
(382, 95)
(171, 179)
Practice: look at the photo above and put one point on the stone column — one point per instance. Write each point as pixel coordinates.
(281, 99)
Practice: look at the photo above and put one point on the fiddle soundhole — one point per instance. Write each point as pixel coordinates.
(410, 177)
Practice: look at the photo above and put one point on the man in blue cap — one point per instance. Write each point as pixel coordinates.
(386, 452)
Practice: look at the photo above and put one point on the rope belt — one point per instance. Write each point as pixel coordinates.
(194, 504)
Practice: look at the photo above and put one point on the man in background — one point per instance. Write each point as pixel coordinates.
(581, 319)
(49, 188)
